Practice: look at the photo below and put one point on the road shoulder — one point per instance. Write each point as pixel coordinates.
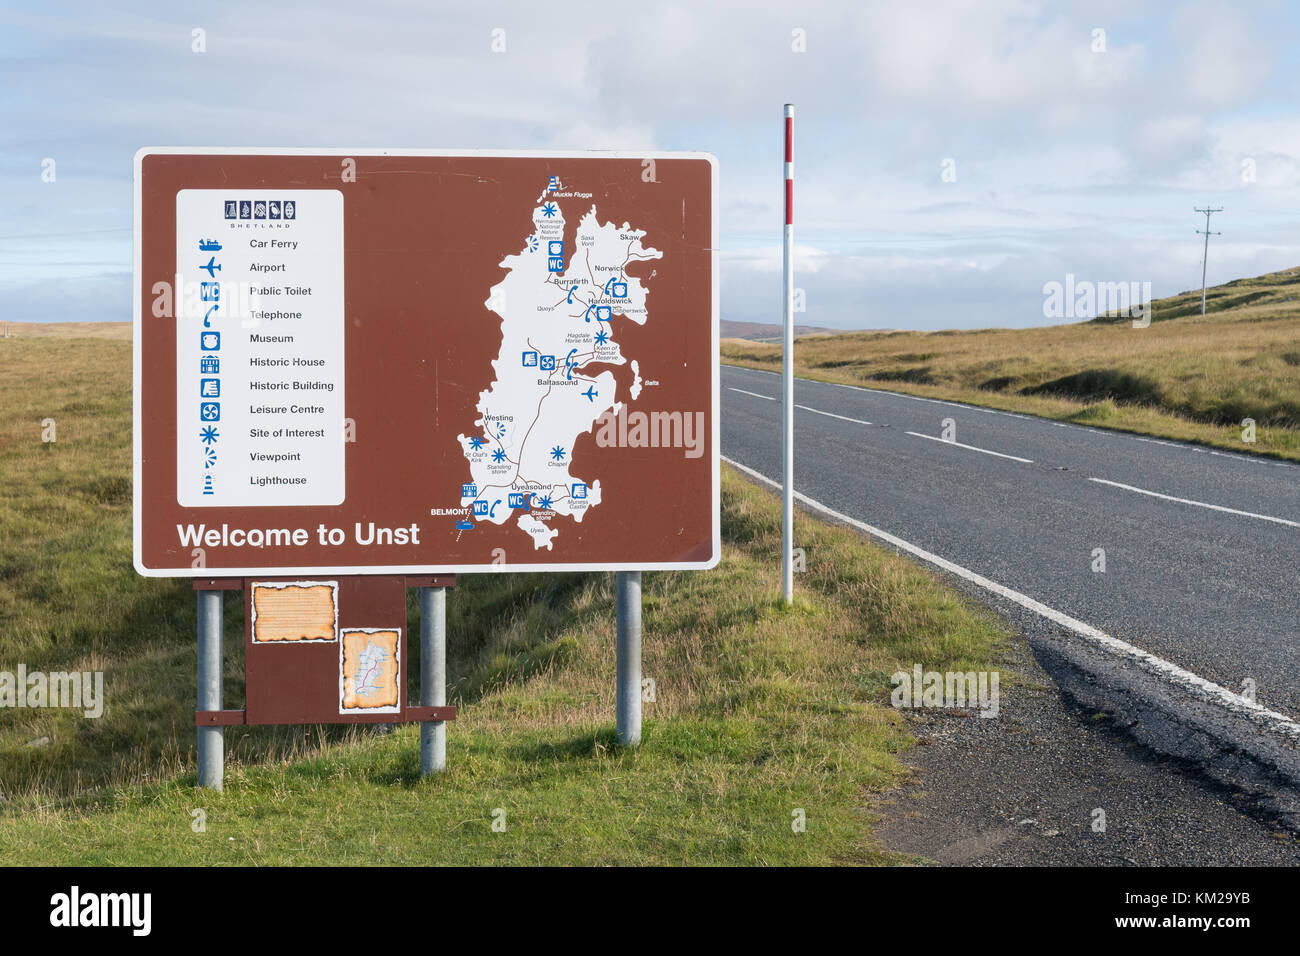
(1048, 782)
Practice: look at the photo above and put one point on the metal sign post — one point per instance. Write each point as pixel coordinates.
(628, 666)
(787, 372)
(211, 754)
(433, 678)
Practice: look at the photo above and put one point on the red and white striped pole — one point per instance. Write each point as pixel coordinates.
(787, 373)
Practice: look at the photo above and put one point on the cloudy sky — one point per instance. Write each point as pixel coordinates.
(951, 156)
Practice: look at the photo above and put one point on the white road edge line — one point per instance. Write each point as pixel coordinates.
(1199, 504)
(1206, 690)
(1027, 461)
(755, 394)
(845, 418)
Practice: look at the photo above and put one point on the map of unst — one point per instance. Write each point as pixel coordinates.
(370, 669)
(556, 307)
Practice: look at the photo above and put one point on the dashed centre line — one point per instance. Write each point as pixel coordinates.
(984, 451)
(1030, 461)
(1199, 504)
(767, 398)
(843, 418)
(815, 411)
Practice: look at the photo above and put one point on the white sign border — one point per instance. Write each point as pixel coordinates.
(421, 569)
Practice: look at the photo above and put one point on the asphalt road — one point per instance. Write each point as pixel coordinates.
(1025, 502)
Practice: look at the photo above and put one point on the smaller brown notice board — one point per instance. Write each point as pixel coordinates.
(325, 651)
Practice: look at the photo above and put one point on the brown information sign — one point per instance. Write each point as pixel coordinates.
(364, 362)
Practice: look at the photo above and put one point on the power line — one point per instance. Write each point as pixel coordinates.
(1206, 255)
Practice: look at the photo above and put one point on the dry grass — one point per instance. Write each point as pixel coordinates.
(759, 709)
(112, 331)
(1185, 376)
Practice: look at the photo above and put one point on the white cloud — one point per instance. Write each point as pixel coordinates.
(1065, 159)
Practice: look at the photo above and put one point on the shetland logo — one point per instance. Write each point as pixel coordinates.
(260, 209)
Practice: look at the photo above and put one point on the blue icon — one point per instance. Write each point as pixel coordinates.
(209, 291)
(207, 316)
(590, 393)
(604, 313)
(245, 210)
(209, 365)
(207, 484)
(290, 209)
(210, 412)
(210, 341)
(211, 245)
(530, 360)
(572, 290)
(544, 502)
(273, 209)
(464, 526)
(209, 457)
(468, 490)
(554, 184)
(579, 490)
(602, 337)
(209, 435)
(231, 209)
(518, 499)
(532, 243)
(493, 510)
(548, 363)
(549, 210)
(555, 264)
(558, 453)
(555, 247)
(476, 443)
(211, 268)
(620, 290)
(259, 209)
(209, 388)
(480, 508)
(499, 455)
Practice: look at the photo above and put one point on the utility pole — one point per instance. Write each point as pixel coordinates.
(1206, 255)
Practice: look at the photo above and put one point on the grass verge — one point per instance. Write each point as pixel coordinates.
(1186, 376)
(760, 711)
